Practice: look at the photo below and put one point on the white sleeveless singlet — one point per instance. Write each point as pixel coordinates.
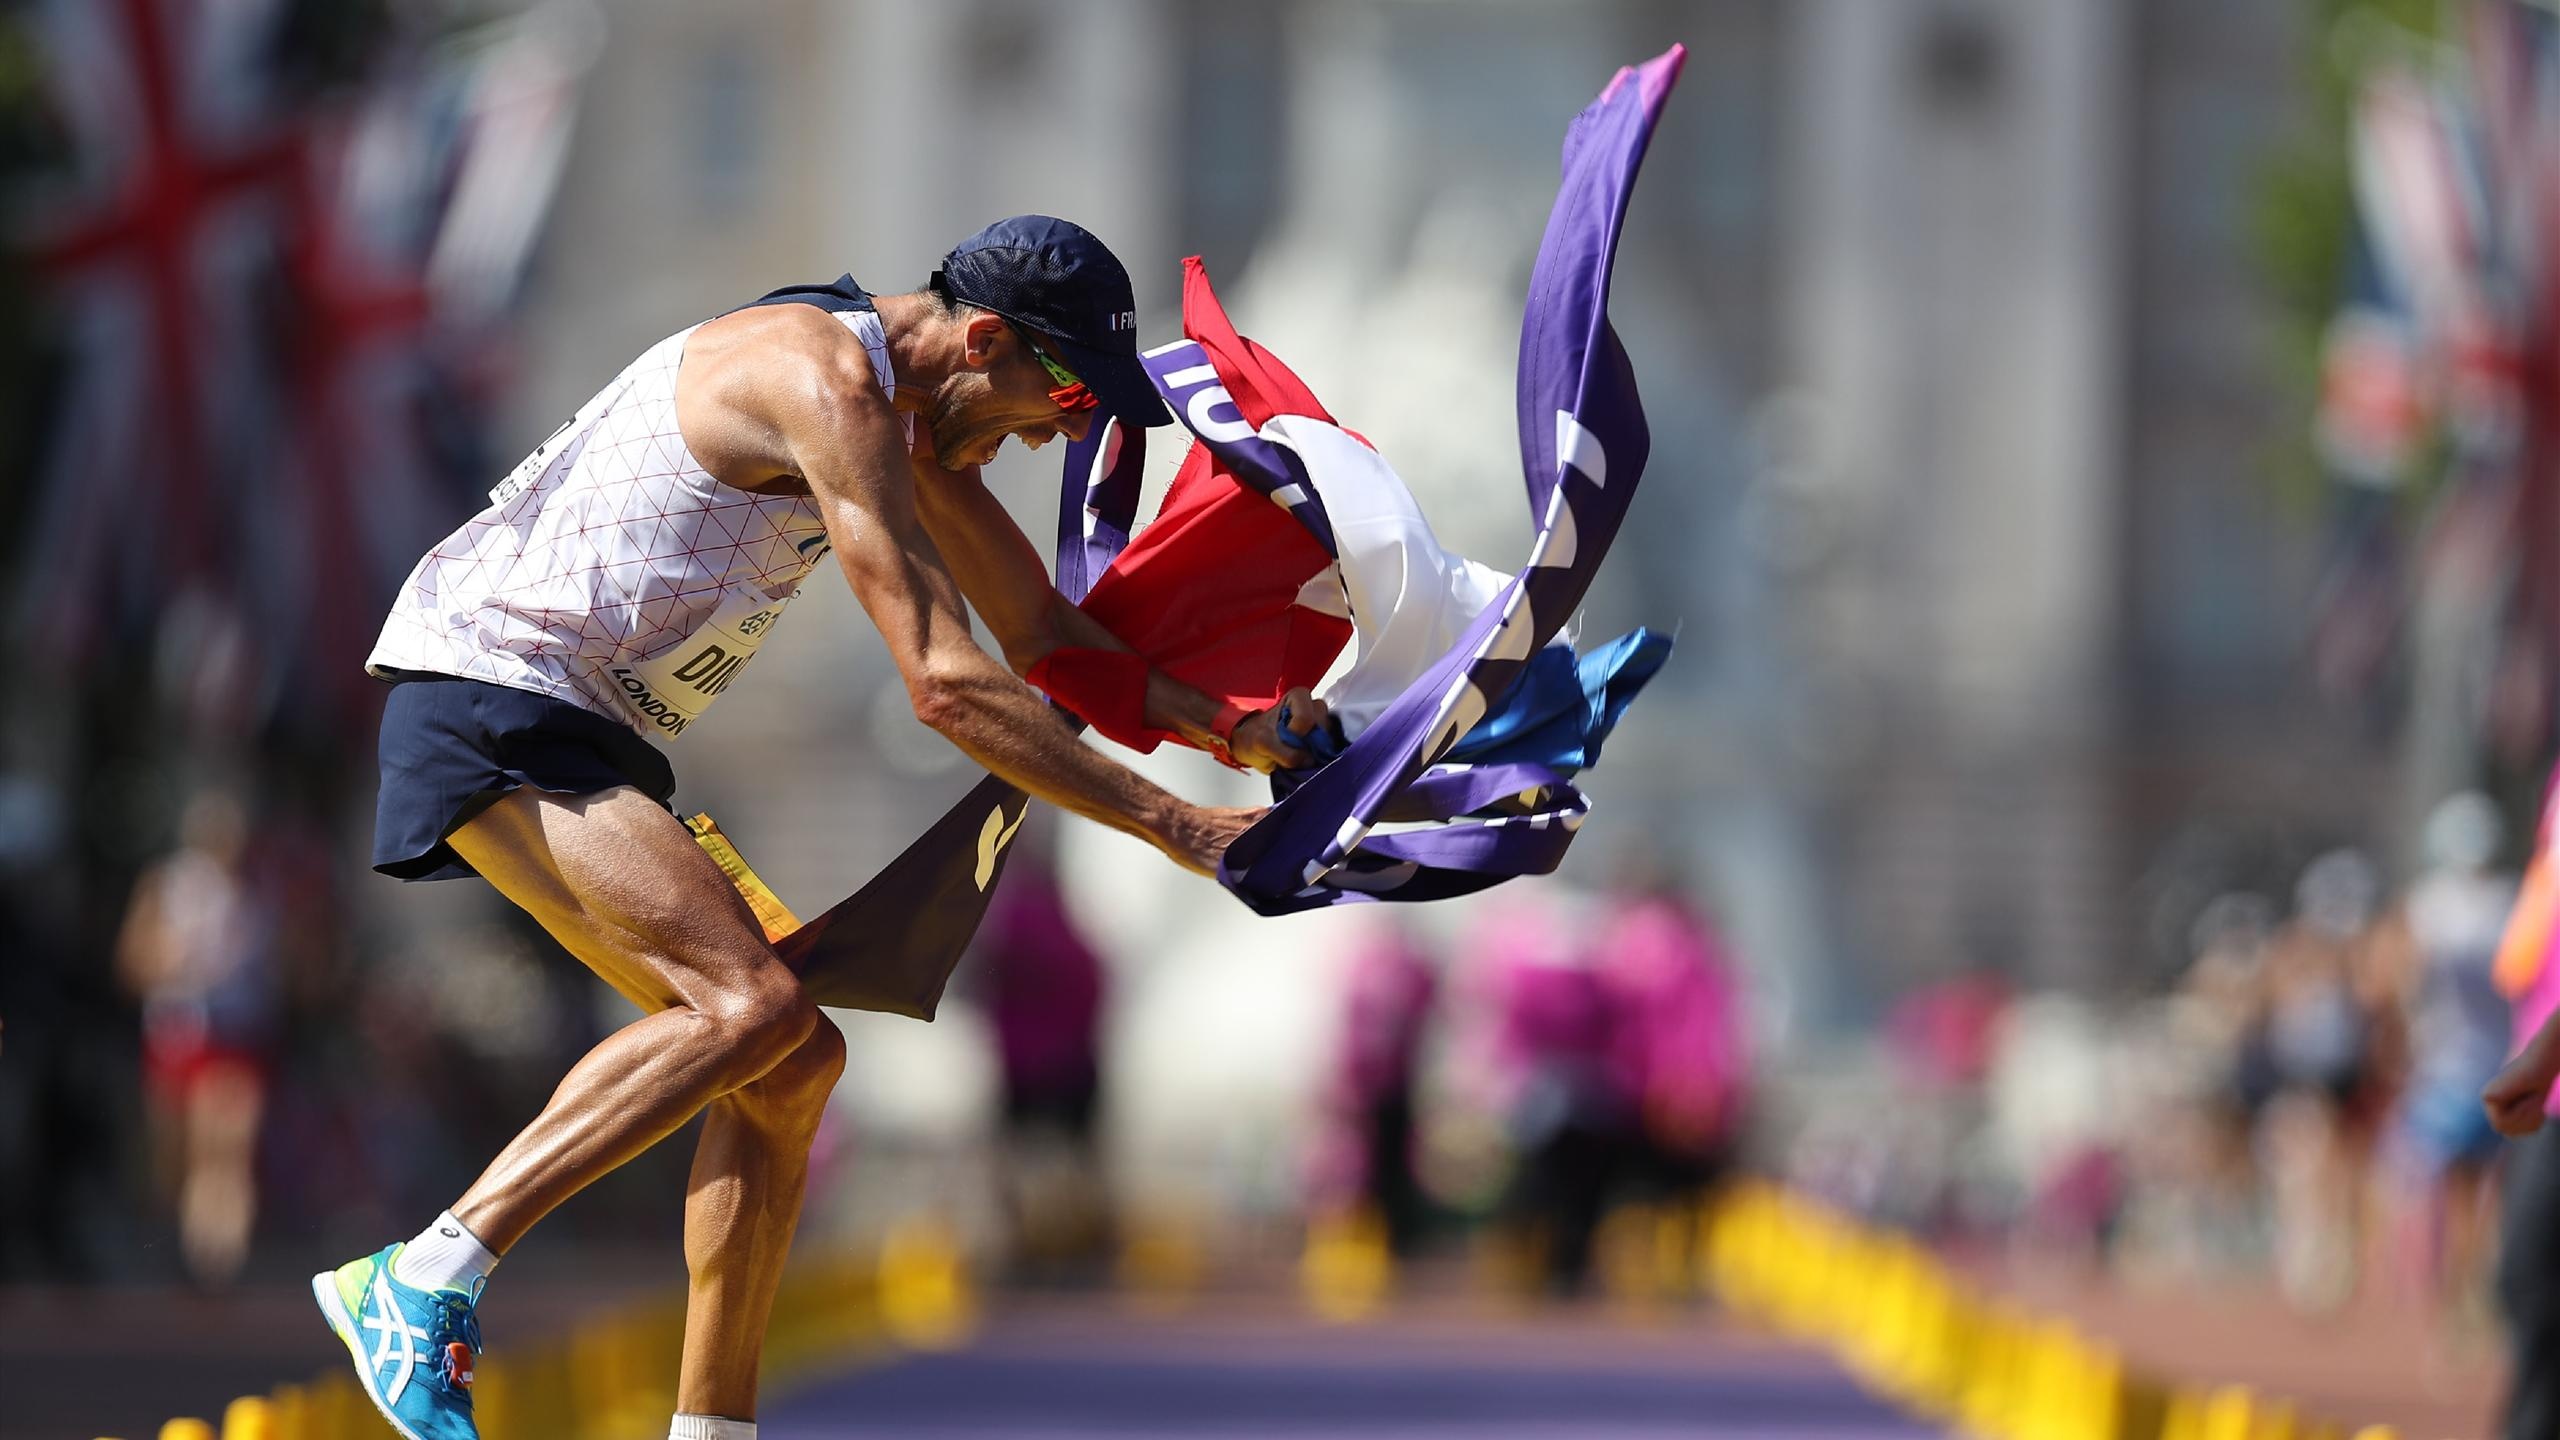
(610, 570)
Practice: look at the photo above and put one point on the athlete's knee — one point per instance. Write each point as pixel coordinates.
(762, 1022)
(791, 1098)
(806, 1076)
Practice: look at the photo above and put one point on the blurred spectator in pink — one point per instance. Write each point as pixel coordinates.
(1680, 1040)
(1564, 1100)
(1044, 990)
(1364, 1150)
(198, 949)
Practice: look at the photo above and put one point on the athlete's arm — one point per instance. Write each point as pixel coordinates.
(787, 397)
(1001, 575)
(2516, 1097)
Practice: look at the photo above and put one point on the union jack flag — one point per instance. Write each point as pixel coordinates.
(281, 303)
(2452, 329)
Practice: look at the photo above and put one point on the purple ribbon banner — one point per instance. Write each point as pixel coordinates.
(1583, 445)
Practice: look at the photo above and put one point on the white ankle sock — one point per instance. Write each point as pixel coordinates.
(445, 1256)
(711, 1427)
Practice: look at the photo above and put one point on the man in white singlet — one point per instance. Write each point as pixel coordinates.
(616, 585)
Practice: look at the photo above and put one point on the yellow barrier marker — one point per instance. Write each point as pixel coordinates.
(1728, 1257)
(249, 1418)
(2106, 1399)
(1849, 1300)
(1938, 1347)
(1675, 1250)
(1913, 1327)
(924, 1289)
(1978, 1365)
(2183, 1417)
(2230, 1413)
(493, 1400)
(1809, 1276)
(2143, 1404)
(644, 1351)
(1160, 1265)
(598, 1376)
(1874, 1342)
(2040, 1394)
(290, 1407)
(549, 1384)
(852, 1291)
(2033, 1370)
(343, 1410)
(186, 1428)
(2012, 1398)
(1346, 1269)
(1625, 1253)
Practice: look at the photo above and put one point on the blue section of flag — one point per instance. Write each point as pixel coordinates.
(1564, 705)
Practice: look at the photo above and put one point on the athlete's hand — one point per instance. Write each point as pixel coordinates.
(2516, 1097)
(1200, 834)
(1258, 745)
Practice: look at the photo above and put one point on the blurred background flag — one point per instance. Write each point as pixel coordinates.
(2440, 414)
(279, 245)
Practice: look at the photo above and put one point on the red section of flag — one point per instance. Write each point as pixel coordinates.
(1208, 592)
(1108, 688)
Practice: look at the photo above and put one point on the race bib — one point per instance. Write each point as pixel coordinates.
(668, 693)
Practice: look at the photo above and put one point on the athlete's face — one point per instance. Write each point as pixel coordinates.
(1000, 391)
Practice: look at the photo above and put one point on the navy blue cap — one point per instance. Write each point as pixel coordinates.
(1053, 277)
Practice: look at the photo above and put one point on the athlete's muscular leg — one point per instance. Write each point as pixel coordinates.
(624, 888)
(740, 1209)
(620, 883)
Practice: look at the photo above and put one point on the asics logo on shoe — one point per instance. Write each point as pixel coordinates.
(383, 1318)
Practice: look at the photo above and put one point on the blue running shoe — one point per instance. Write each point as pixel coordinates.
(413, 1348)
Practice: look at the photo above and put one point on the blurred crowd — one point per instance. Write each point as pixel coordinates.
(1554, 1071)
(2300, 1105)
(1561, 1063)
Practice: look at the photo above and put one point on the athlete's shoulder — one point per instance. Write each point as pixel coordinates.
(759, 385)
(790, 365)
(785, 339)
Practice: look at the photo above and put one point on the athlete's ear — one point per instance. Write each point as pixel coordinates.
(980, 339)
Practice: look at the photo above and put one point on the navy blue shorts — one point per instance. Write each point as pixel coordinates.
(451, 747)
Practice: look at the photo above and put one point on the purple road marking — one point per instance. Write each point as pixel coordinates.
(1129, 1382)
